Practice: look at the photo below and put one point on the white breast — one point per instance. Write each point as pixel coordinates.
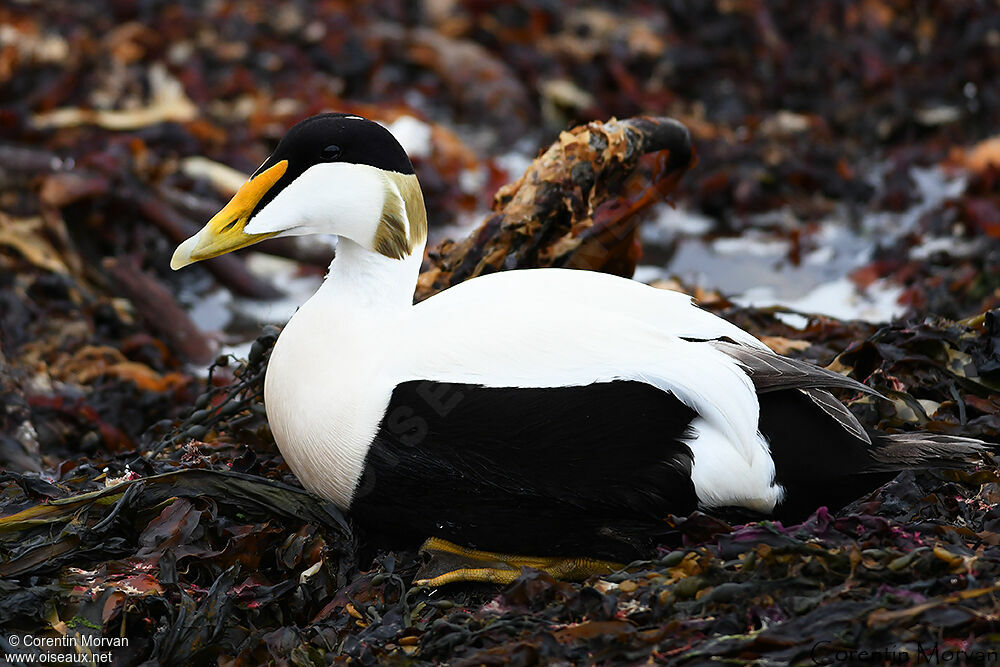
(325, 393)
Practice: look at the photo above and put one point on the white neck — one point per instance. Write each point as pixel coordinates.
(363, 279)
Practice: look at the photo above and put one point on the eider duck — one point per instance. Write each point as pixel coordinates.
(548, 412)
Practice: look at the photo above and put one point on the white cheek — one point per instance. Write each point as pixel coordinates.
(336, 198)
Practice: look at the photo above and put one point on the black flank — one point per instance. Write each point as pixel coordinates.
(589, 470)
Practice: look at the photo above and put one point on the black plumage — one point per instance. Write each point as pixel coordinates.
(552, 471)
(592, 470)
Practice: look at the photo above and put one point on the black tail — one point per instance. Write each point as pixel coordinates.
(819, 463)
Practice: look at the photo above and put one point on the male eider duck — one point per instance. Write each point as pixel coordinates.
(548, 412)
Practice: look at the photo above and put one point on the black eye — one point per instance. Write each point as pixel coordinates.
(331, 152)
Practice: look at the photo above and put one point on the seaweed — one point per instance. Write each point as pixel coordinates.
(142, 497)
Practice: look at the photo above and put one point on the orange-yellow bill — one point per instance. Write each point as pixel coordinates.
(224, 232)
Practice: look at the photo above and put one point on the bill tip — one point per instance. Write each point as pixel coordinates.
(182, 256)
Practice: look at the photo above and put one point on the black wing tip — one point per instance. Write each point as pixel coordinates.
(920, 450)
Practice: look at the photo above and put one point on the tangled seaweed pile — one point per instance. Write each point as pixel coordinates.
(207, 550)
(141, 500)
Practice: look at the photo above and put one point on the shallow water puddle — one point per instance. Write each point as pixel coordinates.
(761, 268)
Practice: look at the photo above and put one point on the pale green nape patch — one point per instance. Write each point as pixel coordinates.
(404, 202)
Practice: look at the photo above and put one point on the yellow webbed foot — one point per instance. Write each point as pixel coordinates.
(451, 563)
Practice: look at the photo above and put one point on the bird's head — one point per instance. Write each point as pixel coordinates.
(330, 174)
